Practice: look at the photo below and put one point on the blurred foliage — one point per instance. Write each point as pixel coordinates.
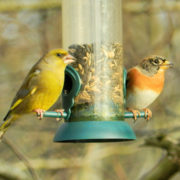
(150, 27)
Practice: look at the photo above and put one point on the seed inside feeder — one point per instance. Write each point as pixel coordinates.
(101, 93)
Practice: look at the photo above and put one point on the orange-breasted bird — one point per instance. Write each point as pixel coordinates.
(41, 88)
(145, 82)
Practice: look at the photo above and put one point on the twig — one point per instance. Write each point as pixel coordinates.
(21, 157)
(9, 6)
(165, 169)
(169, 164)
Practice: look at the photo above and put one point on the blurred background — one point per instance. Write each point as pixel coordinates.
(28, 29)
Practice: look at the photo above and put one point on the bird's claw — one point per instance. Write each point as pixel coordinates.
(61, 111)
(39, 113)
(135, 113)
(148, 113)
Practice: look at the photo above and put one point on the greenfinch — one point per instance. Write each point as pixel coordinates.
(41, 88)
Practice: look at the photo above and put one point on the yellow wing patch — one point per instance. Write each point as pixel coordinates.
(33, 90)
(16, 104)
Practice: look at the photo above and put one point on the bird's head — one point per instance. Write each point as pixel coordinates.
(154, 64)
(59, 56)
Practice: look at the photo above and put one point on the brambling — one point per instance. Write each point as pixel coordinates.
(145, 82)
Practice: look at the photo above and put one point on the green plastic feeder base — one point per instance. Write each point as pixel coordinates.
(94, 131)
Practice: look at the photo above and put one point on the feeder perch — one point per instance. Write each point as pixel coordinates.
(71, 89)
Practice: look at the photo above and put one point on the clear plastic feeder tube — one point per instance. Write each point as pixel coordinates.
(92, 31)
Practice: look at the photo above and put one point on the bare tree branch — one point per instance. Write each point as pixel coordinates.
(21, 157)
(170, 163)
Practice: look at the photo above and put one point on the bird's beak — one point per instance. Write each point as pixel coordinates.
(68, 59)
(166, 64)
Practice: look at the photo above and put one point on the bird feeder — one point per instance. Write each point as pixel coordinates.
(94, 89)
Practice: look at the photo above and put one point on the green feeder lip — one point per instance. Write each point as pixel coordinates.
(94, 131)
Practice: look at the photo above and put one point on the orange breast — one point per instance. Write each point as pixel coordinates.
(137, 79)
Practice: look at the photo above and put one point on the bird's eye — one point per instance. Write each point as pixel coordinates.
(156, 61)
(151, 60)
(59, 55)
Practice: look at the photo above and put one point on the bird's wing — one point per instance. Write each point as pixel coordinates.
(28, 88)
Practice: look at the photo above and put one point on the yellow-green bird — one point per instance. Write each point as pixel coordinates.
(41, 88)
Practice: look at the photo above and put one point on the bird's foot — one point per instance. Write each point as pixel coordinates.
(148, 113)
(39, 113)
(135, 113)
(61, 111)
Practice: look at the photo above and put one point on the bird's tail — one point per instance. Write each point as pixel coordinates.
(6, 124)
